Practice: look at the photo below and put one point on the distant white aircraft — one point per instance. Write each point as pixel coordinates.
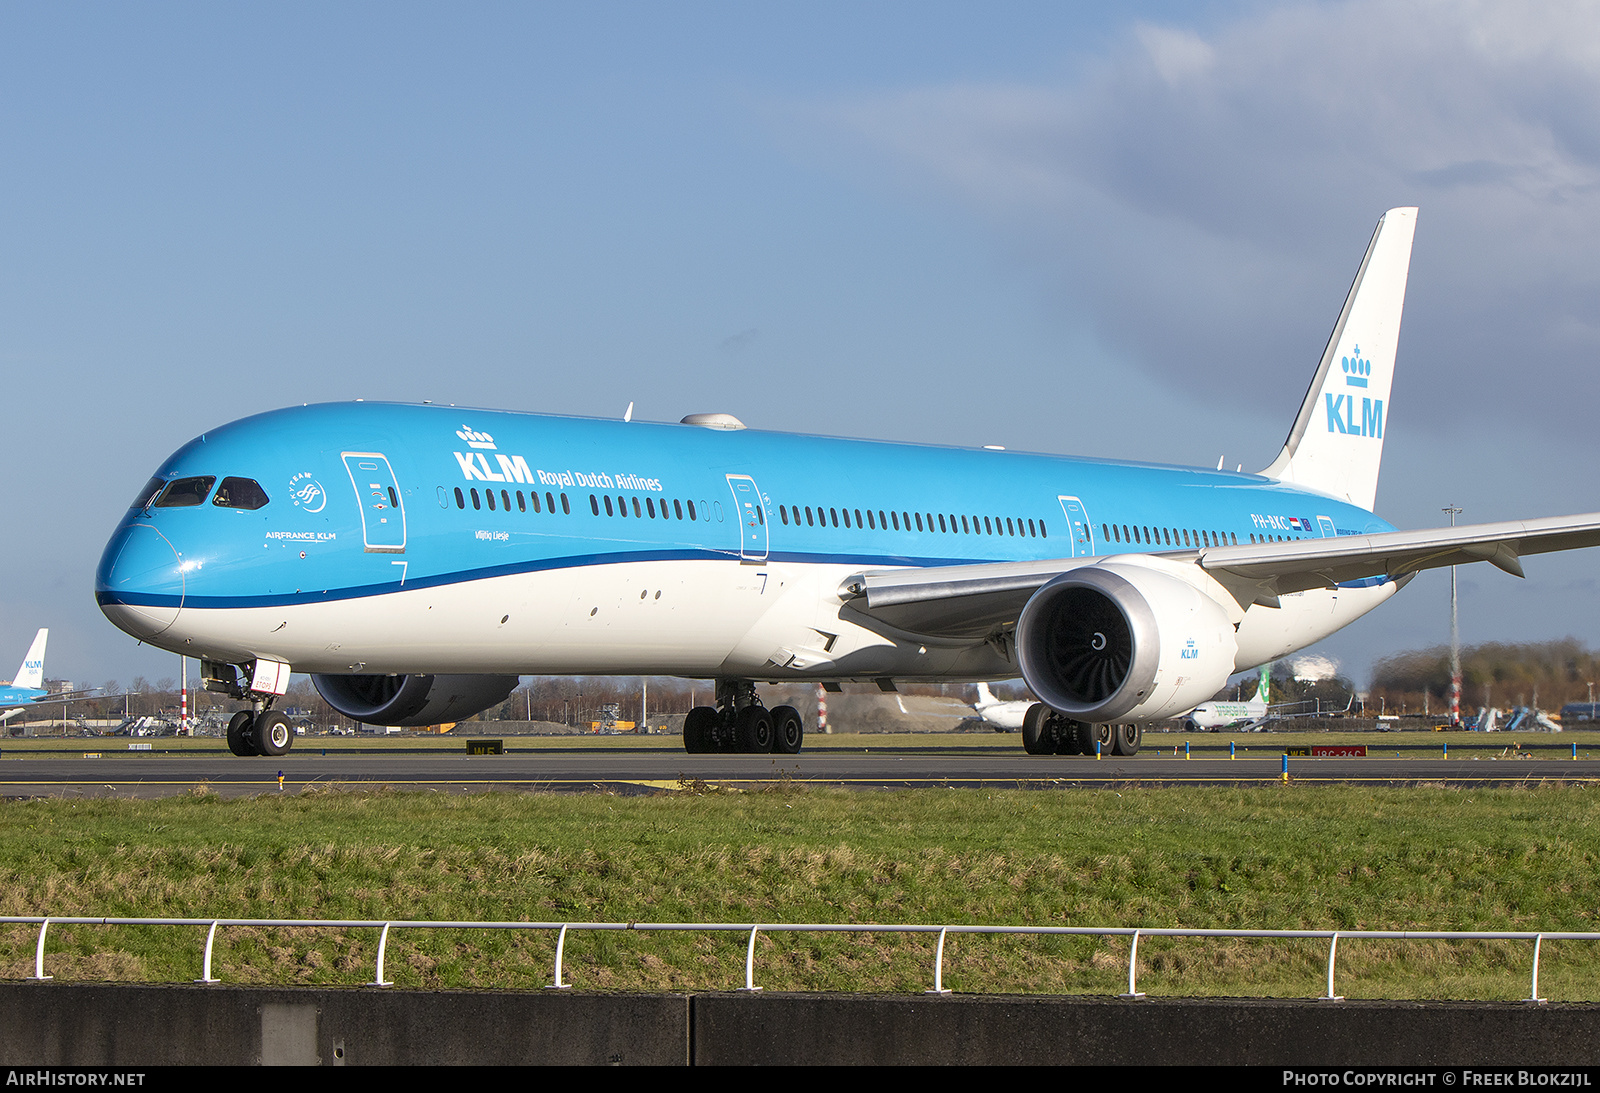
(1004, 716)
(1219, 715)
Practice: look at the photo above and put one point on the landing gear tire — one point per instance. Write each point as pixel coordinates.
(273, 734)
(1128, 739)
(240, 740)
(755, 729)
(700, 730)
(788, 730)
(1077, 738)
(1039, 732)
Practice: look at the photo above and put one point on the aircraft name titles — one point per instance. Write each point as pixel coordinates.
(475, 467)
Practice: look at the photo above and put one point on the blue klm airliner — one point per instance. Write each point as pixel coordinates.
(27, 686)
(416, 559)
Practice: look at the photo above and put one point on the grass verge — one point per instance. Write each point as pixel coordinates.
(1325, 857)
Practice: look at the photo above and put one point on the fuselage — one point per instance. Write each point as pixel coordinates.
(385, 538)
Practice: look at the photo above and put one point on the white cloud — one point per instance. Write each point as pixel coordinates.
(1203, 198)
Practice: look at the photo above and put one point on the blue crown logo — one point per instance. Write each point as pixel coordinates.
(1356, 370)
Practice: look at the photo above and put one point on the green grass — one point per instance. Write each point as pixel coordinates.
(1331, 857)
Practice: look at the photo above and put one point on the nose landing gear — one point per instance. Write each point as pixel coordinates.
(258, 730)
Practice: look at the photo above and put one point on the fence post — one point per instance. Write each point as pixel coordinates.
(1133, 963)
(750, 962)
(561, 944)
(205, 966)
(1333, 948)
(38, 954)
(1534, 995)
(383, 943)
(938, 965)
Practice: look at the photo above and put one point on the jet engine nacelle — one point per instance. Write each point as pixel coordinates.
(412, 700)
(1123, 642)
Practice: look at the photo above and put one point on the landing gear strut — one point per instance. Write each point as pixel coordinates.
(256, 731)
(740, 723)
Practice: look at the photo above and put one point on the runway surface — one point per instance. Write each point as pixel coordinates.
(640, 770)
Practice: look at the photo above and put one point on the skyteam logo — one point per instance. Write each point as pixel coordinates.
(1343, 414)
(1356, 370)
(307, 492)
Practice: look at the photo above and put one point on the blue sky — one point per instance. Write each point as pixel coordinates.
(1111, 230)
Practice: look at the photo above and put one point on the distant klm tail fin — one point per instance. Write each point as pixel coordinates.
(31, 674)
(985, 698)
(1336, 444)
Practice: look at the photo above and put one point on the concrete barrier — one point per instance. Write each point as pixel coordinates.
(85, 1024)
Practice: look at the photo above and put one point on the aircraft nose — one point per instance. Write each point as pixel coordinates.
(140, 584)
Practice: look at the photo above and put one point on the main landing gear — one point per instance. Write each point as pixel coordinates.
(740, 723)
(1046, 732)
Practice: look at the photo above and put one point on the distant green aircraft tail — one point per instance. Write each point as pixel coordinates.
(1265, 684)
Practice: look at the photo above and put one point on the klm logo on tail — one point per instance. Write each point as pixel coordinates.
(1342, 412)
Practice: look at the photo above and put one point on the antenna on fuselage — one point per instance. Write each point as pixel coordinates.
(627, 415)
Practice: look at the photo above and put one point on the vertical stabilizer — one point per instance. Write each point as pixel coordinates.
(985, 697)
(1264, 686)
(1336, 444)
(31, 674)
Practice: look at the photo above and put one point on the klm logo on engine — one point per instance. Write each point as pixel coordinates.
(1190, 651)
(475, 465)
(1344, 416)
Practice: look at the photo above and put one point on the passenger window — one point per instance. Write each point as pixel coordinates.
(636, 511)
(240, 493)
(182, 493)
(489, 496)
(461, 501)
(505, 500)
(594, 505)
(476, 504)
(692, 516)
(566, 506)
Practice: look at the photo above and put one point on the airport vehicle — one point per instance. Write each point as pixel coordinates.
(1004, 716)
(416, 559)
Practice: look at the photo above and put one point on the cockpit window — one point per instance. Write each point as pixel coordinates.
(240, 493)
(184, 492)
(148, 494)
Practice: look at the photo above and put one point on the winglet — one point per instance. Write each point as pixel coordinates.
(31, 674)
(1336, 443)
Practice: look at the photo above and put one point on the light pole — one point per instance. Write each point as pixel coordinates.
(1455, 640)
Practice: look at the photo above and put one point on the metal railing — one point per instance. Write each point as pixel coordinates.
(561, 929)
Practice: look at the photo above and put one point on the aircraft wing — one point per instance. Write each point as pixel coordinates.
(972, 601)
